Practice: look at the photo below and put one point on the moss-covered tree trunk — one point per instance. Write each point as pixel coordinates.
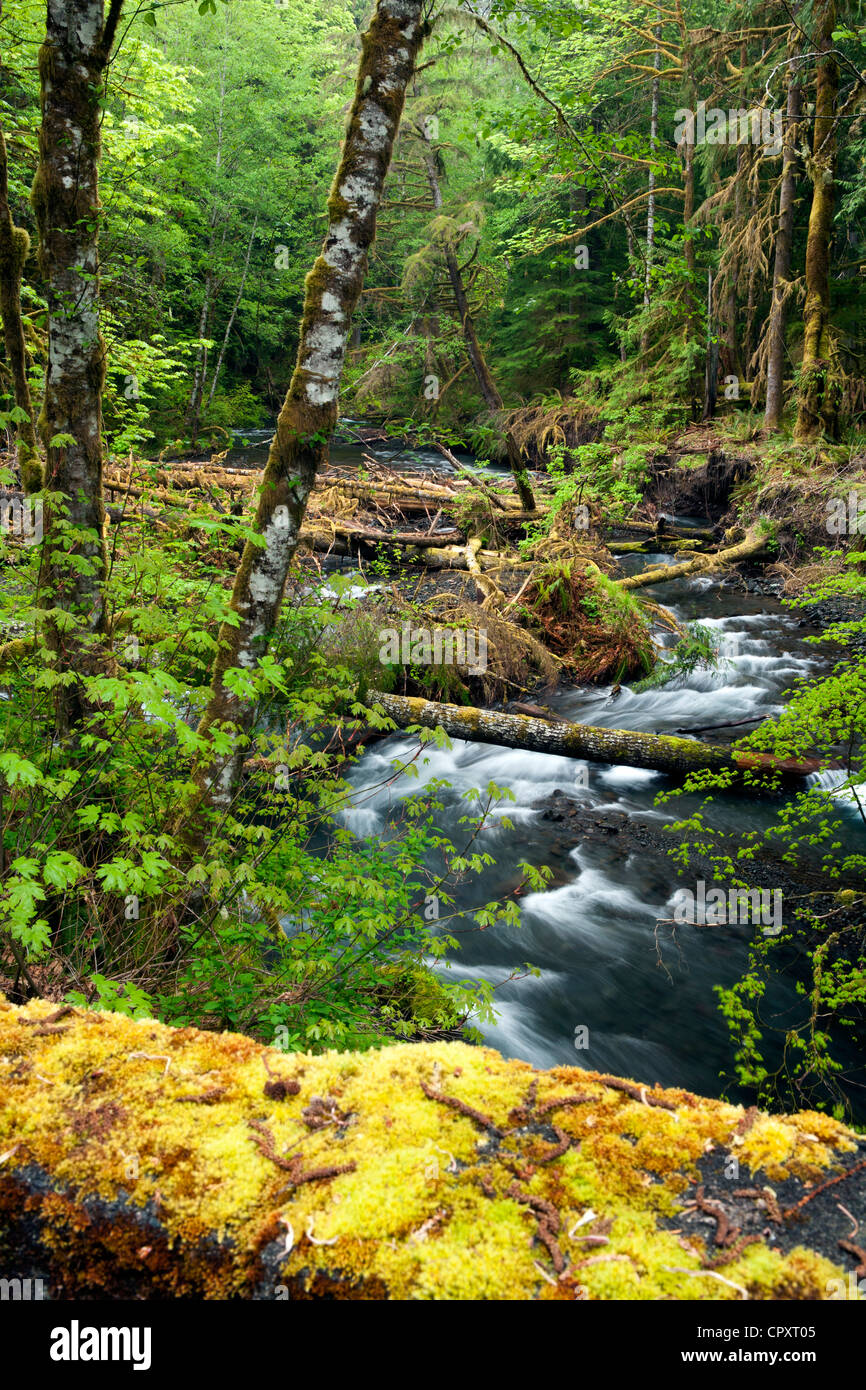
(309, 414)
(660, 752)
(14, 246)
(651, 182)
(692, 322)
(782, 263)
(486, 385)
(753, 544)
(72, 63)
(818, 403)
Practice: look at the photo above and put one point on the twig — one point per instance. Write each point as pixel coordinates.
(636, 1092)
(705, 1274)
(857, 1168)
(855, 1223)
(152, 1057)
(464, 1109)
(859, 1253)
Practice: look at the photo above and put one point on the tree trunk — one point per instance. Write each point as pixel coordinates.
(690, 253)
(210, 280)
(309, 414)
(14, 246)
(72, 64)
(701, 564)
(659, 752)
(733, 365)
(818, 396)
(195, 399)
(486, 385)
(231, 323)
(781, 267)
(712, 367)
(782, 263)
(651, 185)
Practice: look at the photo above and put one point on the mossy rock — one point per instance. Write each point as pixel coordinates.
(138, 1160)
(413, 994)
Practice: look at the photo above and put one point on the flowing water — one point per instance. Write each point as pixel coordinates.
(250, 450)
(602, 1000)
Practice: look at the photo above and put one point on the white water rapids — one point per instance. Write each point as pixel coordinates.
(591, 931)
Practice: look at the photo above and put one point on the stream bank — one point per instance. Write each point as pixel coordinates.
(592, 933)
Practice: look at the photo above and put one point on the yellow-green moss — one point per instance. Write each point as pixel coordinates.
(437, 1204)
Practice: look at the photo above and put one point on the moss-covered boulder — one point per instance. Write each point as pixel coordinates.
(137, 1160)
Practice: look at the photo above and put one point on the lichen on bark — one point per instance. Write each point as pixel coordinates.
(309, 413)
(14, 249)
(65, 198)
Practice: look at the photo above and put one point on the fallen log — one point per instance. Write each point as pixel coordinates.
(663, 527)
(454, 558)
(354, 531)
(663, 543)
(487, 587)
(157, 1163)
(754, 543)
(657, 752)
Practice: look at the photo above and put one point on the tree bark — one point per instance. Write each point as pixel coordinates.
(65, 196)
(486, 385)
(309, 414)
(659, 752)
(651, 184)
(231, 323)
(14, 247)
(782, 263)
(210, 280)
(818, 396)
(701, 564)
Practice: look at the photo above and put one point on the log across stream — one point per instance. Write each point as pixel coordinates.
(630, 747)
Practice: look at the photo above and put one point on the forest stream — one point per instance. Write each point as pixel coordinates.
(432, 436)
(592, 933)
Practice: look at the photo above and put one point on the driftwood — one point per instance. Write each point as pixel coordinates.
(354, 531)
(663, 527)
(455, 558)
(487, 587)
(754, 543)
(662, 543)
(658, 752)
